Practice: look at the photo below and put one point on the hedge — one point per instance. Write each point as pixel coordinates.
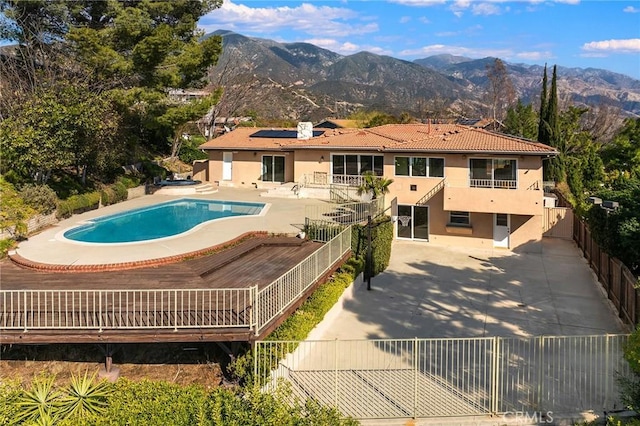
(381, 239)
(78, 204)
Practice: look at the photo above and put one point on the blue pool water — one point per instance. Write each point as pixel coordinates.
(158, 221)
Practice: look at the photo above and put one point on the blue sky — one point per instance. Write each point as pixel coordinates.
(570, 33)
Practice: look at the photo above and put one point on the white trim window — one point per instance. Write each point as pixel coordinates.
(348, 168)
(493, 173)
(459, 218)
(419, 166)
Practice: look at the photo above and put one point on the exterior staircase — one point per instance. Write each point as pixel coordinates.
(431, 193)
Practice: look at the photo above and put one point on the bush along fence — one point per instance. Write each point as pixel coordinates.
(616, 278)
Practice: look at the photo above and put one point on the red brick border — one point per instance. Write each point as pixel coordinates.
(48, 267)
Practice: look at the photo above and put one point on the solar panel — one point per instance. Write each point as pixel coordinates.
(281, 134)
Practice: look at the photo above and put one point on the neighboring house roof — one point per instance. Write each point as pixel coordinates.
(440, 138)
(335, 123)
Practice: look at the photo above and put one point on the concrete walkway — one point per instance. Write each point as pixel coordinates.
(285, 216)
(439, 291)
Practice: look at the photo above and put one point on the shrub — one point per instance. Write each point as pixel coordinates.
(188, 154)
(152, 170)
(381, 239)
(78, 204)
(41, 198)
(152, 403)
(10, 392)
(129, 181)
(5, 246)
(14, 212)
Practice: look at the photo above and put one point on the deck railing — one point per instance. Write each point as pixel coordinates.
(125, 309)
(168, 309)
(275, 298)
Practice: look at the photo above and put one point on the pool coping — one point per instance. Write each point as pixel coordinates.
(121, 266)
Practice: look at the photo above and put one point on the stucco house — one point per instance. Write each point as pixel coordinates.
(452, 184)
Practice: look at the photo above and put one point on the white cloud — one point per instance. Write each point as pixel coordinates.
(418, 3)
(533, 55)
(346, 48)
(435, 49)
(405, 19)
(631, 9)
(485, 9)
(308, 18)
(631, 45)
(424, 20)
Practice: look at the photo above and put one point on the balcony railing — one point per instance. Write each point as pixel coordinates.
(493, 183)
(351, 180)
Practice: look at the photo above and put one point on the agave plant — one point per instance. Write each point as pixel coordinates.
(40, 403)
(84, 397)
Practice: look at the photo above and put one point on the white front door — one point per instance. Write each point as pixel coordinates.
(501, 224)
(227, 161)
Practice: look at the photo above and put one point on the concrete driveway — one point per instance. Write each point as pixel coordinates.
(439, 291)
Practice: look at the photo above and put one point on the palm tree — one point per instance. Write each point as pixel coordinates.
(375, 185)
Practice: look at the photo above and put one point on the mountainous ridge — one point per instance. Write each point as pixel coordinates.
(433, 86)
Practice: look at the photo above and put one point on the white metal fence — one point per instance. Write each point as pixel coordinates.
(124, 309)
(449, 377)
(272, 300)
(168, 309)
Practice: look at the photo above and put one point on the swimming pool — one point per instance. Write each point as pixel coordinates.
(159, 220)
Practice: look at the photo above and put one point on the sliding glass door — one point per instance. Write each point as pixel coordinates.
(272, 168)
(413, 222)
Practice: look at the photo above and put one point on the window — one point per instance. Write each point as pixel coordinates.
(402, 166)
(355, 165)
(493, 173)
(420, 166)
(436, 167)
(459, 218)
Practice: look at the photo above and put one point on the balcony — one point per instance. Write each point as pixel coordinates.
(494, 183)
(492, 196)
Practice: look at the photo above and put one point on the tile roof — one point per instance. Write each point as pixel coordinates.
(389, 138)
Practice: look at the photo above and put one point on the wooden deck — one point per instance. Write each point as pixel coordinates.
(254, 262)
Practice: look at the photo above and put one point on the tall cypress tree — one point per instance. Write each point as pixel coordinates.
(552, 111)
(543, 109)
(556, 169)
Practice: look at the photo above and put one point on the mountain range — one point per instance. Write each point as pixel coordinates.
(301, 81)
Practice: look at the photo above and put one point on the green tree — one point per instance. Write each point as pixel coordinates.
(543, 136)
(522, 121)
(177, 117)
(62, 127)
(618, 232)
(578, 153)
(129, 52)
(556, 166)
(622, 155)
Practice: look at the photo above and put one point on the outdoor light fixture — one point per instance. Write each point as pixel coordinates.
(321, 158)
